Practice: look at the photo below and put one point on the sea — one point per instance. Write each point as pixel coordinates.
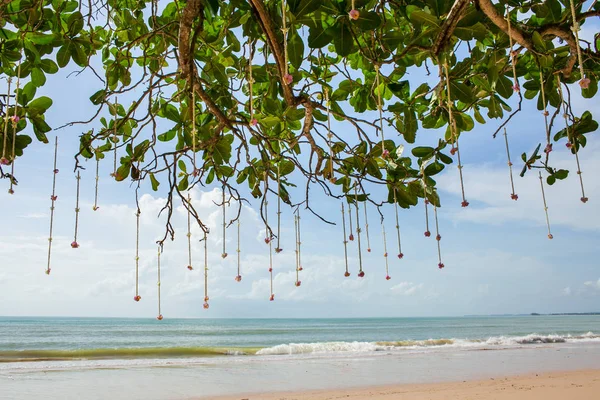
(203, 358)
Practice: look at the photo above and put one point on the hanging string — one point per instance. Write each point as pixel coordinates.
(4, 160)
(205, 272)
(548, 148)
(513, 55)
(584, 82)
(437, 231)
(329, 136)
(384, 152)
(550, 236)
(268, 238)
(278, 249)
(347, 273)
(452, 126)
(137, 255)
(189, 232)
(194, 134)
(571, 141)
(224, 253)
(400, 254)
(367, 229)
(95, 208)
(513, 195)
(385, 252)
(298, 282)
(15, 121)
(115, 141)
(53, 198)
(426, 201)
(238, 277)
(253, 120)
(299, 244)
(74, 244)
(361, 273)
(287, 77)
(160, 317)
(351, 237)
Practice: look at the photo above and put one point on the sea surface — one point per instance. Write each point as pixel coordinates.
(202, 358)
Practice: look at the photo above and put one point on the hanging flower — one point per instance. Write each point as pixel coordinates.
(385, 153)
(354, 14)
(346, 274)
(546, 113)
(272, 298)
(453, 150)
(56, 171)
(278, 250)
(288, 78)
(267, 240)
(137, 297)
(10, 191)
(514, 196)
(224, 255)
(15, 119)
(584, 83)
(254, 122)
(550, 236)
(300, 268)
(74, 244)
(438, 237)
(464, 203)
(4, 161)
(369, 250)
(361, 274)
(548, 148)
(95, 208)
(400, 256)
(427, 233)
(190, 267)
(569, 145)
(441, 265)
(351, 237)
(270, 269)
(206, 306)
(48, 271)
(516, 87)
(53, 198)
(238, 278)
(206, 299)
(387, 278)
(196, 172)
(584, 199)
(298, 283)
(160, 317)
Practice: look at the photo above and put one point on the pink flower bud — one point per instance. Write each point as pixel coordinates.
(272, 298)
(514, 196)
(15, 119)
(400, 256)
(427, 233)
(224, 255)
(465, 204)
(160, 317)
(137, 298)
(346, 274)
(288, 79)
(206, 306)
(548, 148)
(206, 299)
(441, 265)
(569, 145)
(190, 267)
(550, 236)
(298, 283)
(238, 278)
(361, 274)
(4, 161)
(354, 14)
(254, 122)
(516, 88)
(74, 245)
(387, 278)
(385, 153)
(453, 150)
(53, 198)
(56, 171)
(270, 269)
(584, 83)
(584, 199)
(438, 237)
(351, 237)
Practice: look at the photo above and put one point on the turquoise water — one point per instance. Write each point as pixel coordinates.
(26, 339)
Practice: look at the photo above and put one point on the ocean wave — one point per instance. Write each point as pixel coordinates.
(317, 348)
(363, 347)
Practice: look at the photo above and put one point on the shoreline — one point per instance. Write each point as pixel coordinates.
(575, 385)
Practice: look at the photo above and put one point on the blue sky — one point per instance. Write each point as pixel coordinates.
(497, 256)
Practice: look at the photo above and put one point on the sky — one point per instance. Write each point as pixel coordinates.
(497, 255)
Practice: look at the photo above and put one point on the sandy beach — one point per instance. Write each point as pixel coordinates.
(573, 385)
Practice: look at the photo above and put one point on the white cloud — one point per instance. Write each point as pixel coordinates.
(407, 288)
(566, 291)
(592, 285)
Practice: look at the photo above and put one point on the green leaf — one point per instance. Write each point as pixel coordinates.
(168, 135)
(368, 21)
(305, 7)
(434, 168)
(343, 41)
(504, 87)
(460, 91)
(296, 50)
(75, 23)
(40, 128)
(155, 183)
(318, 37)
(561, 174)
(123, 172)
(39, 106)
(98, 97)
(37, 77)
(592, 89)
(423, 152)
(286, 167)
(181, 165)
(63, 56)
(420, 17)
(49, 66)
(183, 183)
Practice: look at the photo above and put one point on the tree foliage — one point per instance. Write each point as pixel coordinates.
(175, 77)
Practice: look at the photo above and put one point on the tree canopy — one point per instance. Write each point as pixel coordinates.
(311, 93)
